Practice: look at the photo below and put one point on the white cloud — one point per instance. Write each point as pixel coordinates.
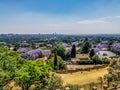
(92, 21)
(99, 20)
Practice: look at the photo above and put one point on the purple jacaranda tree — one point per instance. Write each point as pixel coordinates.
(33, 54)
(116, 48)
(74, 43)
(23, 50)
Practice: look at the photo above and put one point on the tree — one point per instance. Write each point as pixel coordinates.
(96, 59)
(85, 47)
(60, 51)
(73, 51)
(91, 53)
(68, 55)
(32, 72)
(113, 71)
(60, 62)
(55, 61)
(10, 61)
(54, 82)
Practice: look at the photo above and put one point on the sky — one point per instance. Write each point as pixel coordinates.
(60, 16)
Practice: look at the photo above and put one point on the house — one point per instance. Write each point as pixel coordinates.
(107, 54)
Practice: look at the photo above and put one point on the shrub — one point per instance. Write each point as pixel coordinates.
(85, 62)
(104, 54)
(105, 60)
(96, 59)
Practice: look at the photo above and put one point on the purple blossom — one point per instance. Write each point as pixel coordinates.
(96, 49)
(104, 42)
(23, 50)
(65, 44)
(33, 54)
(100, 46)
(116, 47)
(75, 43)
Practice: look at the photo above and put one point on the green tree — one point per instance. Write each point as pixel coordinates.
(55, 61)
(85, 47)
(96, 59)
(54, 82)
(60, 62)
(91, 53)
(68, 55)
(32, 72)
(113, 71)
(60, 51)
(9, 62)
(73, 51)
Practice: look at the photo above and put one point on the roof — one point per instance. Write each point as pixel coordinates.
(109, 54)
(82, 56)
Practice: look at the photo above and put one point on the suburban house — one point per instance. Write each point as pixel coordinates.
(107, 54)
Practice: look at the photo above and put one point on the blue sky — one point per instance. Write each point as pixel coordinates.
(60, 16)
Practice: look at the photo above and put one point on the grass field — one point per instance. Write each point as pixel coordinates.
(83, 77)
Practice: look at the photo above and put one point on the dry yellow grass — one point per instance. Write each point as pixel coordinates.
(83, 77)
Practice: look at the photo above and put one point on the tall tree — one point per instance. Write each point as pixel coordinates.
(55, 60)
(73, 51)
(60, 62)
(85, 47)
(91, 53)
(60, 51)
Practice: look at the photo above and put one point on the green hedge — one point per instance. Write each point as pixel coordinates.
(85, 62)
(88, 62)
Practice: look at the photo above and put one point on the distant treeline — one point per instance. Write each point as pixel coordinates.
(13, 38)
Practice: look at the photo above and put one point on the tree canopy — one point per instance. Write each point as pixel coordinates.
(60, 51)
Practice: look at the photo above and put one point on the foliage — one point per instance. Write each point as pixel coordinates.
(9, 62)
(54, 82)
(91, 53)
(105, 60)
(60, 51)
(113, 69)
(96, 59)
(55, 61)
(60, 62)
(73, 51)
(104, 54)
(25, 73)
(33, 54)
(116, 48)
(68, 56)
(85, 62)
(30, 73)
(85, 47)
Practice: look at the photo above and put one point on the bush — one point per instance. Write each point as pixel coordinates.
(104, 54)
(54, 82)
(96, 59)
(85, 62)
(60, 62)
(114, 57)
(105, 61)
